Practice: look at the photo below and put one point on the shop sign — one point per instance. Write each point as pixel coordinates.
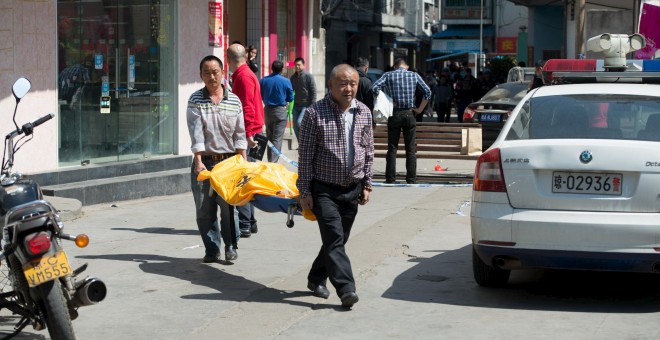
(105, 86)
(105, 104)
(98, 61)
(454, 45)
(131, 71)
(507, 45)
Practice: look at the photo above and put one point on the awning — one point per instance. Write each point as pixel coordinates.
(463, 31)
(452, 56)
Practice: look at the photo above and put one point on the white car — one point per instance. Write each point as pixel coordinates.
(572, 182)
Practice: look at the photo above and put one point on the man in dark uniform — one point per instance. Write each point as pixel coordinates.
(364, 93)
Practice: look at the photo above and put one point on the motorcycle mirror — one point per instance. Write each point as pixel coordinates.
(21, 88)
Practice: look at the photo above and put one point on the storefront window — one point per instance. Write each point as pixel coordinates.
(117, 79)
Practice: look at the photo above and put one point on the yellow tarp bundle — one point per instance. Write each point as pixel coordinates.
(237, 181)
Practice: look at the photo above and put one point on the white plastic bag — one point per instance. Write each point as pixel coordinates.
(382, 107)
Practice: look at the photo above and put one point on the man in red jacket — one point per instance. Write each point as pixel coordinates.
(246, 86)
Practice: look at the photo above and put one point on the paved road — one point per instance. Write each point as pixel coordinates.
(410, 250)
(411, 257)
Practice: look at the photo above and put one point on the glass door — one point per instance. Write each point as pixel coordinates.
(116, 80)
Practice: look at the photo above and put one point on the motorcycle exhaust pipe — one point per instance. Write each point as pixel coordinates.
(90, 291)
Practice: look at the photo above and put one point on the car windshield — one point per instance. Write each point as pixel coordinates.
(588, 116)
(506, 92)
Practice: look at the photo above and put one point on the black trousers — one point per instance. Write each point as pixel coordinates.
(444, 112)
(335, 209)
(401, 121)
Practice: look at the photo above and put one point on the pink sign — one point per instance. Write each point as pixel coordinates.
(215, 24)
(648, 27)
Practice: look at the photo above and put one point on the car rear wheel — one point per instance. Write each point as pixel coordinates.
(488, 276)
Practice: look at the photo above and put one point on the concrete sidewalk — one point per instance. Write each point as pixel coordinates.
(458, 167)
(71, 209)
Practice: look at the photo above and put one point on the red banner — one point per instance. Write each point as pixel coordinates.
(648, 27)
(215, 24)
(507, 45)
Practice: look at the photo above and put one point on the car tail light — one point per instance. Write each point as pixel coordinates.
(468, 114)
(488, 172)
(37, 243)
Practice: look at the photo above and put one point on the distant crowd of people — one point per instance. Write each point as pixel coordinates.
(456, 86)
(453, 86)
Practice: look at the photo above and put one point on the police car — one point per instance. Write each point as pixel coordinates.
(573, 179)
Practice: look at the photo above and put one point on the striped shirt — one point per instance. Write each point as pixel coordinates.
(215, 128)
(400, 85)
(323, 150)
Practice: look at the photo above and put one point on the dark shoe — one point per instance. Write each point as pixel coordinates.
(349, 299)
(230, 253)
(411, 182)
(254, 229)
(318, 290)
(245, 232)
(211, 259)
(390, 181)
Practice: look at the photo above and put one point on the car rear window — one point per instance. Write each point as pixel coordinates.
(591, 116)
(506, 91)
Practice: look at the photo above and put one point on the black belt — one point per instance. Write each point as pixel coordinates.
(217, 157)
(333, 185)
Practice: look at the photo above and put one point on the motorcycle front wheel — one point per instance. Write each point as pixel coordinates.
(58, 320)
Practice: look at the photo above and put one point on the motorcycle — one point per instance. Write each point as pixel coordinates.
(42, 288)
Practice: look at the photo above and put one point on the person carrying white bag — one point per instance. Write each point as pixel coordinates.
(400, 84)
(382, 108)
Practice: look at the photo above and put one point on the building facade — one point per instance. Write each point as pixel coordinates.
(362, 28)
(118, 73)
(560, 29)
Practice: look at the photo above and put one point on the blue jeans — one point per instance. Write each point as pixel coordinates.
(246, 217)
(206, 211)
(298, 113)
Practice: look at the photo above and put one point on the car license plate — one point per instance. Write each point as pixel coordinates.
(47, 268)
(490, 117)
(586, 183)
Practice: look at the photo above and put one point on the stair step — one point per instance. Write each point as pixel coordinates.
(111, 170)
(121, 188)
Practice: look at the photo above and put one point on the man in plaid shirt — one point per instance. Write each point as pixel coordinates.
(400, 84)
(335, 154)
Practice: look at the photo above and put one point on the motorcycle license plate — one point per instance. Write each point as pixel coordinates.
(47, 268)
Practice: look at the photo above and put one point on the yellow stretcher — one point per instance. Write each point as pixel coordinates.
(268, 186)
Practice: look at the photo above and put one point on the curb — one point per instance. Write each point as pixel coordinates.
(68, 208)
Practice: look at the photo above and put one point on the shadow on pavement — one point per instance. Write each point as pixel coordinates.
(160, 230)
(7, 323)
(447, 278)
(229, 287)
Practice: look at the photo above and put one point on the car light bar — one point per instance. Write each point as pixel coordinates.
(607, 77)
